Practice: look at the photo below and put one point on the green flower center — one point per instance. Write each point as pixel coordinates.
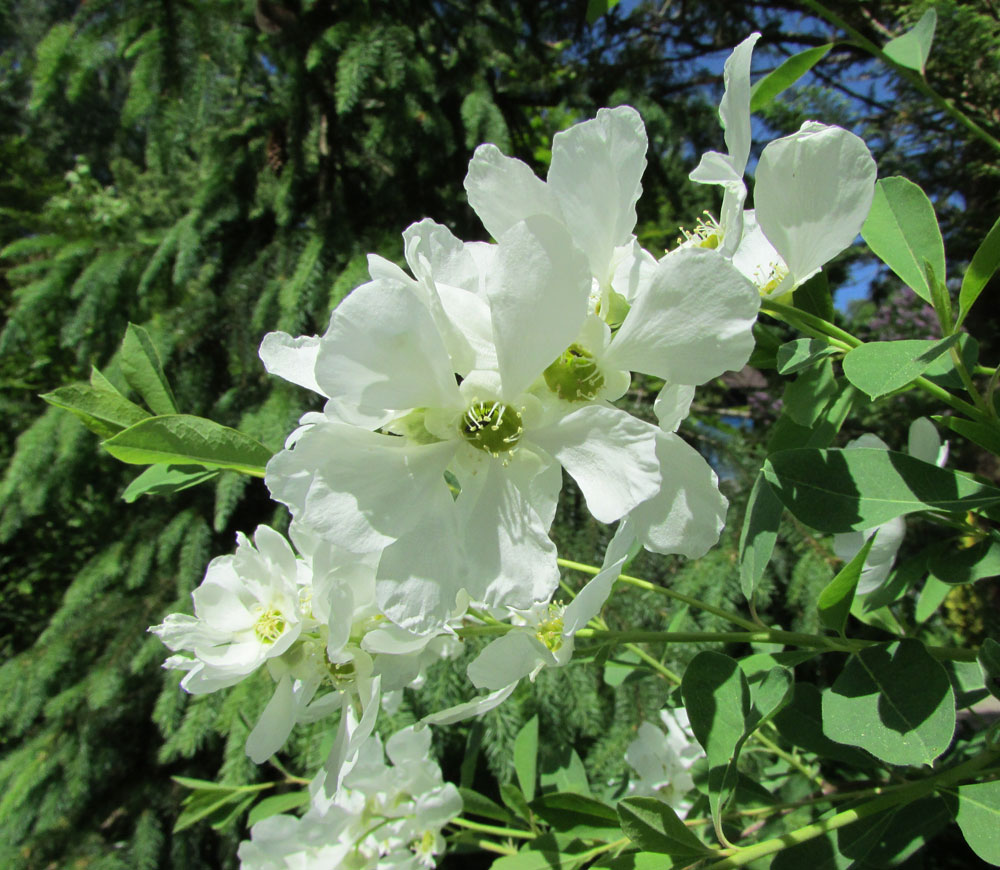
(706, 234)
(550, 629)
(574, 376)
(491, 427)
(269, 625)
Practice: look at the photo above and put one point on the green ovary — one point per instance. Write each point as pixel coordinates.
(575, 376)
(491, 427)
(269, 626)
(549, 630)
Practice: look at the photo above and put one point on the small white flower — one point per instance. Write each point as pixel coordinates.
(247, 611)
(662, 761)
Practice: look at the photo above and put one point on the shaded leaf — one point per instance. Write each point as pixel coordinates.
(785, 75)
(142, 369)
(835, 600)
(165, 479)
(794, 356)
(655, 827)
(979, 818)
(526, 756)
(758, 535)
(984, 263)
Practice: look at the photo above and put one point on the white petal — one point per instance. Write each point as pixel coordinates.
(634, 269)
(813, 192)
(595, 172)
(277, 551)
(539, 478)
(274, 725)
(361, 489)
(476, 707)
(755, 257)
(925, 443)
(293, 359)
(504, 191)
(888, 538)
(421, 574)
(591, 598)
(538, 294)
(688, 513)
(734, 109)
(672, 405)
(610, 454)
(693, 323)
(508, 659)
(383, 350)
(509, 557)
(409, 744)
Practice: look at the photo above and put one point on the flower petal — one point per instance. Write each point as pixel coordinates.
(476, 707)
(509, 557)
(693, 323)
(672, 405)
(687, 515)
(383, 350)
(293, 359)
(734, 108)
(538, 294)
(813, 192)
(507, 659)
(595, 172)
(358, 489)
(610, 454)
(504, 191)
(274, 725)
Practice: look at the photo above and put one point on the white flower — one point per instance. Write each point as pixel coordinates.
(925, 444)
(542, 636)
(728, 169)
(247, 611)
(369, 491)
(662, 761)
(812, 192)
(389, 815)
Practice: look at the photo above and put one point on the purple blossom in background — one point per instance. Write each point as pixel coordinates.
(903, 315)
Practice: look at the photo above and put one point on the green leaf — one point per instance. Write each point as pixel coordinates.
(142, 369)
(902, 230)
(979, 433)
(786, 434)
(565, 772)
(979, 818)
(989, 661)
(814, 297)
(278, 803)
(717, 698)
(758, 535)
(655, 827)
(932, 596)
(801, 724)
(810, 393)
(835, 600)
(578, 815)
(216, 801)
(526, 757)
(597, 8)
(181, 439)
(984, 263)
(769, 695)
(893, 700)
(534, 859)
(940, 299)
(164, 479)
(103, 412)
(473, 803)
(880, 367)
(514, 798)
(914, 47)
(966, 565)
(863, 487)
(786, 75)
(794, 356)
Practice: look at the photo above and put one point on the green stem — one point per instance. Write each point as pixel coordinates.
(912, 76)
(793, 760)
(785, 638)
(734, 618)
(905, 794)
(491, 829)
(837, 337)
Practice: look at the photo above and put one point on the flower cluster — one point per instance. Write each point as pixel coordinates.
(457, 392)
(382, 815)
(662, 760)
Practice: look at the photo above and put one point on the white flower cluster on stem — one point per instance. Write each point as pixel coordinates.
(456, 394)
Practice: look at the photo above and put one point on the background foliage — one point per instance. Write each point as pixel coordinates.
(215, 171)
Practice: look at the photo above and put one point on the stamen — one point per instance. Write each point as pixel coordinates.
(492, 427)
(270, 625)
(574, 377)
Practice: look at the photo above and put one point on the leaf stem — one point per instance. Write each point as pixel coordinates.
(491, 829)
(906, 793)
(734, 618)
